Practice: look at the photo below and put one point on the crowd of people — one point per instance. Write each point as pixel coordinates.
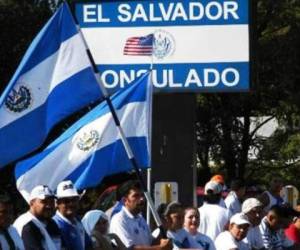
(234, 223)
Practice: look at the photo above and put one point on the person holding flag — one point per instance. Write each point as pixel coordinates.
(130, 226)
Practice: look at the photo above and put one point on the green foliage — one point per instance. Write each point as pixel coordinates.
(224, 134)
(19, 23)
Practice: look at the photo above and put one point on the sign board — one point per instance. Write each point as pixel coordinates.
(290, 195)
(165, 192)
(198, 45)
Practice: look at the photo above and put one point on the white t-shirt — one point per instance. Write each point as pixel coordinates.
(213, 219)
(233, 204)
(203, 241)
(254, 238)
(225, 241)
(182, 239)
(14, 236)
(132, 230)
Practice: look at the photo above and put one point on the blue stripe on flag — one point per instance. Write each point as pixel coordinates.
(68, 97)
(107, 156)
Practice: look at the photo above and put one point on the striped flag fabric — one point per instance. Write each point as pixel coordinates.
(53, 80)
(139, 46)
(92, 148)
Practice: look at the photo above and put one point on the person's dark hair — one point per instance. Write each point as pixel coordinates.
(172, 208)
(284, 211)
(161, 209)
(211, 198)
(237, 184)
(126, 187)
(5, 198)
(186, 209)
(120, 191)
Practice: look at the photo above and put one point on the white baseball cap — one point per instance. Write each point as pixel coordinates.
(66, 189)
(40, 192)
(215, 187)
(249, 204)
(239, 219)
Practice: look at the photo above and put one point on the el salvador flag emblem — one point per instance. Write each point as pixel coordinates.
(88, 140)
(19, 99)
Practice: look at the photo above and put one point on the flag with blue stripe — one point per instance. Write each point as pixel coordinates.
(92, 148)
(53, 80)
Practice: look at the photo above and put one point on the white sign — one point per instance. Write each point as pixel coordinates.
(165, 192)
(196, 45)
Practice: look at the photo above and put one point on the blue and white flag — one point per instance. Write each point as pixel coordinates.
(53, 80)
(92, 149)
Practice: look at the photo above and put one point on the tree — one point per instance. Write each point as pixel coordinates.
(224, 133)
(19, 23)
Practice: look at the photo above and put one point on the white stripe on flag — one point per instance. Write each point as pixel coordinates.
(66, 158)
(58, 67)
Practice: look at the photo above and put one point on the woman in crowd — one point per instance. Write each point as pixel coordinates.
(96, 224)
(191, 224)
(174, 215)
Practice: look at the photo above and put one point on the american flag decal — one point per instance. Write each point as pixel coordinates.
(139, 46)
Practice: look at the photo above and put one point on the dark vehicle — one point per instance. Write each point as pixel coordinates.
(107, 198)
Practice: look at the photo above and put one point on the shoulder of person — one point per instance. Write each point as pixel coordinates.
(12, 230)
(226, 241)
(120, 218)
(204, 237)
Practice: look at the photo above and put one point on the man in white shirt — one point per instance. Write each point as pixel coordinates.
(130, 225)
(232, 239)
(220, 179)
(233, 199)
(9, 238)
(36, 226)
(213, 218)
(253, 209)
